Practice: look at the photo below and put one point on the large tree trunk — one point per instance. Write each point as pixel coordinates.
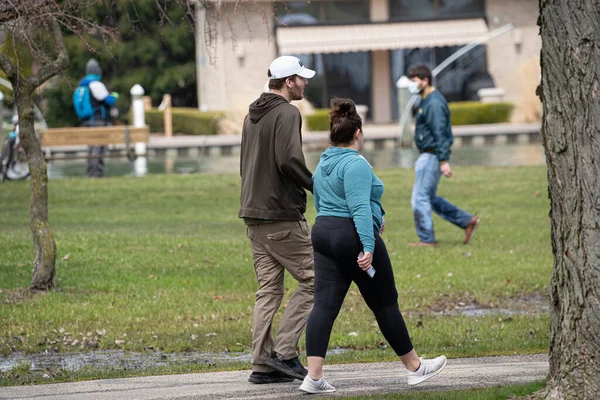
(570, 93)
(44, 269)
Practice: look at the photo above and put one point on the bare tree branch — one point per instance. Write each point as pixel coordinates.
(7, 66)
(14, 9)
(55, 67)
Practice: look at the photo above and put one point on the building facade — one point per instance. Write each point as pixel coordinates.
(359, 49)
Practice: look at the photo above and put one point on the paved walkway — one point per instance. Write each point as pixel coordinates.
(349, 379)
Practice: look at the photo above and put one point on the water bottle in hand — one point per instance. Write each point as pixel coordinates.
(371, 270)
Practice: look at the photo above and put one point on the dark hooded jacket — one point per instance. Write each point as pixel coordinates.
(272, 166)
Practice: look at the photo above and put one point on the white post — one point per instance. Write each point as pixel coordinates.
(137, 106)
(139, 121)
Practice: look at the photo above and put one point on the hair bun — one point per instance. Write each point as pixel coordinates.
(342, 107)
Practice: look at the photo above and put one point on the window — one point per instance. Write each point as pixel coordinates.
(410, 10)
(338, 75)
(290, 13)
(455, 81)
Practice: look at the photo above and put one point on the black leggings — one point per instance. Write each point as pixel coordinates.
(336, 246)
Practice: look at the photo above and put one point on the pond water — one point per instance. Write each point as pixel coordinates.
(496, 155)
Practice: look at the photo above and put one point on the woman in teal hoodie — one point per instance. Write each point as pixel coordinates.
(348, 248)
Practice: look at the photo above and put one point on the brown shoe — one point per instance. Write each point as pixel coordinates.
(470, 229)
(421, 244)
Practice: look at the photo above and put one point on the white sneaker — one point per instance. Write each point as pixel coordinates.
(311, 386)
(428, 369)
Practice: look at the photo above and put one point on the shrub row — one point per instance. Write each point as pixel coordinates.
(474, 112)
(461, 113)
(187, 121)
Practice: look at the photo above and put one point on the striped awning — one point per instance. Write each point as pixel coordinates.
(385, 36)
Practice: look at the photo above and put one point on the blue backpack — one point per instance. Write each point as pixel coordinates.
(83, 103)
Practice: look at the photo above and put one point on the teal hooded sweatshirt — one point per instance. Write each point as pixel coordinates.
(345, 186)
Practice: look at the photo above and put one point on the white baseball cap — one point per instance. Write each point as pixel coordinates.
(285, 66)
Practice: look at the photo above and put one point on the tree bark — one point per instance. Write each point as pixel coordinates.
(570, 92)
(44, 269)
(44, 264)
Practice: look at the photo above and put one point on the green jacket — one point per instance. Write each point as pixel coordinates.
(433, 129)
(272, 166)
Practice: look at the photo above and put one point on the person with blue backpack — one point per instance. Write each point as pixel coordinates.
(92, 102)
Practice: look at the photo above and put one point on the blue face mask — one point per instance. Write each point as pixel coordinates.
(413, 88)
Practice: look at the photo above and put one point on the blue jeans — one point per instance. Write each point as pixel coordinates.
(425, 199)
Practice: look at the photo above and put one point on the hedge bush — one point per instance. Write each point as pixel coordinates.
(462, 113)
(319, 121)
(474, 112)
(187, 121)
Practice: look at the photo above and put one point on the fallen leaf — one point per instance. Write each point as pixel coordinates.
(150, 276)
(119, 342)
(218, 297)
(353, 334)
(65, 258)
(537, 193)
(179, 246)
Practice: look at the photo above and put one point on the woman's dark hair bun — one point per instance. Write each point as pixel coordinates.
(343, 121)
(342, 108)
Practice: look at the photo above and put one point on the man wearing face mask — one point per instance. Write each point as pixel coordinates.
(433, 137)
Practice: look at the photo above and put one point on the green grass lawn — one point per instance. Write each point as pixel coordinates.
(162, 262)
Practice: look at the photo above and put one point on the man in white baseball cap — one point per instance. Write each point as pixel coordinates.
(273, 202)
(285, 66)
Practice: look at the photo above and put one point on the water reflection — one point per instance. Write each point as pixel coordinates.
(497, 155)
(121, 360)
(116, 359)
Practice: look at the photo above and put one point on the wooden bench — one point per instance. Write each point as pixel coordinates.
(94, 136)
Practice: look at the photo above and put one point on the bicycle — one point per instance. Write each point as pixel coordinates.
(12, 164)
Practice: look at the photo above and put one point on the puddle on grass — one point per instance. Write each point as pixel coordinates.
(473, 311)
(121, 360)
(116, 359)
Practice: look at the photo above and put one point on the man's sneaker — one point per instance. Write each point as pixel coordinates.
(268, 377)
(311, 386)
(295, 365)
(470, 229)
(428, 369)
(291, 368)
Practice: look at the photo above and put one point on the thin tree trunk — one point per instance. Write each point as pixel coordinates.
(44, 269)
(570, 92)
